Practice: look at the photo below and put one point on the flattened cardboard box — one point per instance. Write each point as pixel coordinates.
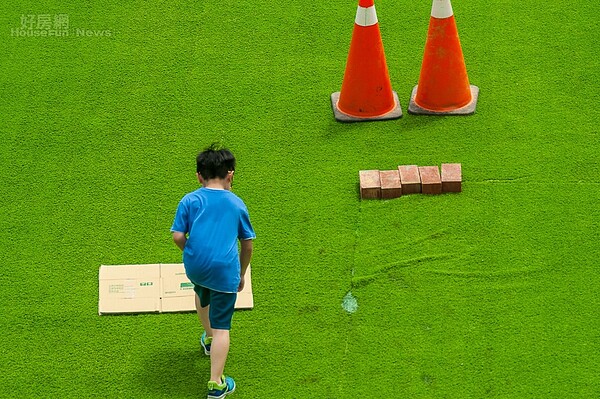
(129, 289)
(154, 288)
(176, 290)
(245, 298)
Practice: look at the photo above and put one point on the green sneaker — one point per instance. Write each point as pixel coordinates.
(219, 391)
(205, 342)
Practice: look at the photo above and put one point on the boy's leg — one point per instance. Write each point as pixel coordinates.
(203, 316)
(221, 313)
(218, 354)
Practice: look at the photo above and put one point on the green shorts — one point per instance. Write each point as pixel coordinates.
(222, 305)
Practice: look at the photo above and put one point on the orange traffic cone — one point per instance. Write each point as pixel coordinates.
(366, 92)
(443, 87)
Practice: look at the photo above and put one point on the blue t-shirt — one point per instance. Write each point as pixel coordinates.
(214, 221)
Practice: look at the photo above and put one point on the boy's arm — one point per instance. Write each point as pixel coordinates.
(180, 239)
(245, 256)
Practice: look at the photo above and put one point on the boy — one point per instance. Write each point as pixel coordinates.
(207, 226)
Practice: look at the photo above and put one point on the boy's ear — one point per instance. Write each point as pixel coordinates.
(200, 179)
(229, 179)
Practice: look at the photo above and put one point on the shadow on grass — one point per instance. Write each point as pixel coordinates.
(175, 373)
(407, 123)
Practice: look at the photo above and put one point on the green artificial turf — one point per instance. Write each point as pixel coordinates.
(490, 293)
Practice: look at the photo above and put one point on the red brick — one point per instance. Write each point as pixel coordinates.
(390, 184)
(431, 181)
(370, 184)
(410, 179)
(451, 178)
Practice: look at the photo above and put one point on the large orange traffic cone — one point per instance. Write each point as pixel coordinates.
(366, 92)
(443, 87)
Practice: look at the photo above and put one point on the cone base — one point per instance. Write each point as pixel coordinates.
(468, 109)
(342, 117)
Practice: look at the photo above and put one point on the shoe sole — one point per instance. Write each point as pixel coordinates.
(223, 395)
(206, 351)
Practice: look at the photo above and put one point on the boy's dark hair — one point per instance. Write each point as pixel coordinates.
(214, 162)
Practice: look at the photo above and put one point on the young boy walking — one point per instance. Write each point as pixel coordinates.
(208, 225)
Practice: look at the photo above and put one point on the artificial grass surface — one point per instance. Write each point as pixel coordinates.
(487, 293)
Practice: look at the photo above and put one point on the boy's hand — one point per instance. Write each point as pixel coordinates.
(241, 286)
(180, 239)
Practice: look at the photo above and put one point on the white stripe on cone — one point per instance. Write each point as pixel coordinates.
(441, 9)
(366, 16)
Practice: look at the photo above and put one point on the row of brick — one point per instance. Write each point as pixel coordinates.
(410, 179)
